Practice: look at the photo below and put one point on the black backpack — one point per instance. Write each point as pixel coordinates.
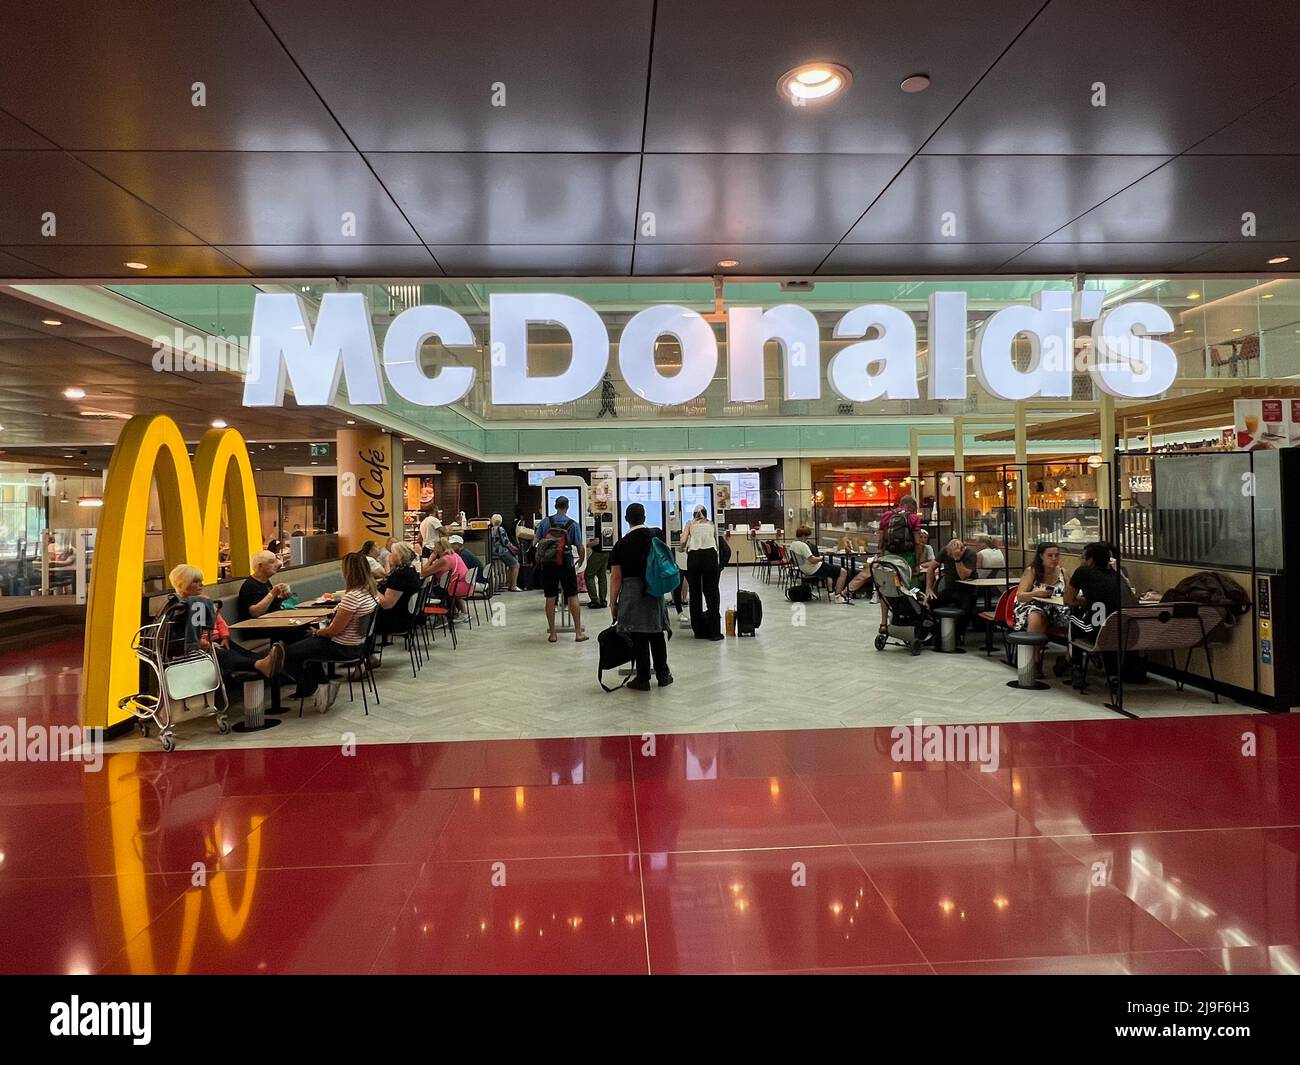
(553, 548)
(749, 613)
(898, 534)
(799, 593)
(615, 650)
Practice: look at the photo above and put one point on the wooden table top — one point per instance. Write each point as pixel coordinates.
(990, 582)
(281, 619)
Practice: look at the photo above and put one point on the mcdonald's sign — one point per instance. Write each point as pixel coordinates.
(152, 450)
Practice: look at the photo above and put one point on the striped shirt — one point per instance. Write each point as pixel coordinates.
(362, 604)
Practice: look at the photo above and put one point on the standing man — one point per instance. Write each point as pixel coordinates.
(643, 618)
(555, 535)
(428, 533)
(598, 566)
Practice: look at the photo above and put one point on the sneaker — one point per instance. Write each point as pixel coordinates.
(665, 680)
(838, 599)
(638, 685)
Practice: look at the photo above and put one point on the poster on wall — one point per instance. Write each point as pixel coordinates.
(1266, 424)
(602, 491)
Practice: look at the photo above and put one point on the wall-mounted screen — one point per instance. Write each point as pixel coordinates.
(737, 491)
(536, 477)
(569, 491)
(650, 494)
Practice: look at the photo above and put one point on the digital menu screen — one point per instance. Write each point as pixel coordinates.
(650, 494)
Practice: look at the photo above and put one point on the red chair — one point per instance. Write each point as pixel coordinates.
(1000, 617)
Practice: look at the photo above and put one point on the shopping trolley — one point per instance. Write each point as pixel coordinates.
(188, 678)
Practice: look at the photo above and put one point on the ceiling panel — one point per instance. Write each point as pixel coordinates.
(1272, 128)
(13, 134)
(1198, 198)
(994, 198)
(418, 76)
(527, 260)
(951, 257)
(109, 76)
(109, 260)
(1107, 258)
(759, 199)
(1249, 257)
(487, 198)
(87, 208)
(1173, 73)
(702, 259)
(331, 260)
(14, 266)
(716, 65)
(262, 197)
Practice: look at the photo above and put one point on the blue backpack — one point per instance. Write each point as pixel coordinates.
(661, 572)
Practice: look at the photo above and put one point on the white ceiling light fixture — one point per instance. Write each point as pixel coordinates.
(915, 83)
(50, 321)
(218, 423)
(90, 501)
(74, 393)
(727, 264)
(1278, 260)
(136, 266)
(811, 83)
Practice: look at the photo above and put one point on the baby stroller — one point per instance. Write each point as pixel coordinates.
(908, 620)
(188, 678)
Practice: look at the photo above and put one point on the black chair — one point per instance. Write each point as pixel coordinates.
(359, 662)
(481, 584)
(438, 611)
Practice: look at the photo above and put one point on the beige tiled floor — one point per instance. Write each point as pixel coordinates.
(811, 669)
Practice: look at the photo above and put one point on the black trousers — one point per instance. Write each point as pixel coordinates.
(647, 646)
(702, 572)
(958, 596)
(235, 659)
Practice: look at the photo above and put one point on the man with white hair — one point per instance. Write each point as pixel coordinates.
(257, 595)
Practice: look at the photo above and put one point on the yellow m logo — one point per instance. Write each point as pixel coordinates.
(189, 502)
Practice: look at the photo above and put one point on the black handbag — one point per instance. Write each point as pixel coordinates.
(615, 650)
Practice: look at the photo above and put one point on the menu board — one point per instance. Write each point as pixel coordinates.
(1266, 424)
(737, 491)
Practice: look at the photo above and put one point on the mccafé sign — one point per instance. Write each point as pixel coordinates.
(1125, 360)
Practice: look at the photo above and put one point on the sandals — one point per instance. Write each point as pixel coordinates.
(552, 638)
(581, 639)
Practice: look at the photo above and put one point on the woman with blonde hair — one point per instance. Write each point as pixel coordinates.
(396, 590)
(205, 627)
(445, 560)
(503, 551)
(345, 634)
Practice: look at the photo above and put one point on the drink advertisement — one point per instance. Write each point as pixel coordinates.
(1266, 424)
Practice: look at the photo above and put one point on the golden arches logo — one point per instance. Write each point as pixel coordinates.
(152, 450)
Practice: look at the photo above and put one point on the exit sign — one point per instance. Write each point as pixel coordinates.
(319, 450)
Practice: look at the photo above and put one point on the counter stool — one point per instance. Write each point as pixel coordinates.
(949, 618)
(1026, 643)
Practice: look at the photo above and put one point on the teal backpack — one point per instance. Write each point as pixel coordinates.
(661, 572)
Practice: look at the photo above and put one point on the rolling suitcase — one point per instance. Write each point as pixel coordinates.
(749, 613)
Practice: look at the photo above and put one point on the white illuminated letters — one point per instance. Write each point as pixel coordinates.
(288, 351)
(1050, 330)
(636, 354)
(795, 329)
(1126, 362)
(893, 354)
(947, 378)
(511, 313)
(406, 335)
(285, 349)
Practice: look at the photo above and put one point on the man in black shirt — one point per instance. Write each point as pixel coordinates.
(638, 614)
(257, 595)
(956, 564)
(1094, 592)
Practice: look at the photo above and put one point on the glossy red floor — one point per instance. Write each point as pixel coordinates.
(1106, 846)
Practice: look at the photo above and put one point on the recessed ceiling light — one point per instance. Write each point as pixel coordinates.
(727, 264)
(218, 423)
(915, 83)
(1237, 330)
(1193, 295)
(136, 266)
(813, 82)
(1188, 331)
(1277, 259)
(74, 393)
(1267, 296)
(351, 422)
(50, 321)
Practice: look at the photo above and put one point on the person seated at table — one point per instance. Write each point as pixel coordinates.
(927, 563)
(505, 551)
(471, 560)
(445, 560)
(395, 591)
(370, 551)
(990, 560)
(1095, 590)
(344, 635)
(812, 564)
(956, 564)
(257, 595)
(1043, 579)
(205, 627)
(386, 553)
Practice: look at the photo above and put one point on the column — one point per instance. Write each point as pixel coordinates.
(369, 486)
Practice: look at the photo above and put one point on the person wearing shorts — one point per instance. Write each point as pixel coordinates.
(562, 575)
(813, 565)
